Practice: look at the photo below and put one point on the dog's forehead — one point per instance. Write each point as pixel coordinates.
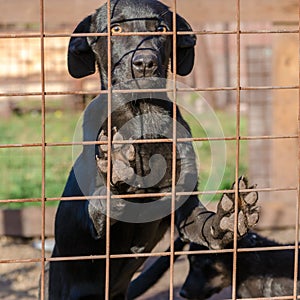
(122, 10)
(134, 8)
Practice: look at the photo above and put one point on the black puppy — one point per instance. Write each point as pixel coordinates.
(259, 273)
(138, 61)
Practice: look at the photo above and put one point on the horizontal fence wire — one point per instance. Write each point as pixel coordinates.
(197, 32)
(146, 141)
(151, 195)
(153, 254)
(100, 92)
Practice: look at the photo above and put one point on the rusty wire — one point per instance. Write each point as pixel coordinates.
(197, 32)
(237, 148)
(43, 133)
(237, 139)
(207, 89)
(296, 262)
(152, 254)
(163, 140)
(109, 148)
(174, 147)
(149, 195)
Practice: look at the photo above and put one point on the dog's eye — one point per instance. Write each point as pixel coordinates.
(161, 28)
(116, 29)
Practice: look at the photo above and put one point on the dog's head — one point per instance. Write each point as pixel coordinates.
(208, 274)
(134, 56)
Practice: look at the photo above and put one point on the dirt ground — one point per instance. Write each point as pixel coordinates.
(20, 280)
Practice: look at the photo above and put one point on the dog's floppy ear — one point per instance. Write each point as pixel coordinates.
(184, 48)
(81, 58)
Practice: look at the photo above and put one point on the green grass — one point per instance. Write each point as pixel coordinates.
(21, 167)
(207, 151)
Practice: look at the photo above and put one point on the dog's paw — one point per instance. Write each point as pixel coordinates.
(248, 214)
(122, 158)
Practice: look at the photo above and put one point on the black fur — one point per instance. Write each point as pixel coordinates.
(153, 273)
(259, 273)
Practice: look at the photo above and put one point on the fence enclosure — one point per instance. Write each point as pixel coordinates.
(246, 67)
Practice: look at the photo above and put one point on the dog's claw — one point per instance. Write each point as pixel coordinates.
(122, 156)
(117, 137)
(103, 138)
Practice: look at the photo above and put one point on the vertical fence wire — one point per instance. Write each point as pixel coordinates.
(174, 147)
(43, 148)
(109, 146)
(237, 148)
(296, 268)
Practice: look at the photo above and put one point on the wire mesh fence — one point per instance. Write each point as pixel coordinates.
(249, 75)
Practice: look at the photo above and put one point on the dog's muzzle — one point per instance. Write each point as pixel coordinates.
(144, 64)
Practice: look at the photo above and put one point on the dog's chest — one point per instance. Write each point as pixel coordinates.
(143, 120)
(150, 162)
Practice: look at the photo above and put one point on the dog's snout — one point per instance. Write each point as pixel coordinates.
(184, 294)
(144, 65)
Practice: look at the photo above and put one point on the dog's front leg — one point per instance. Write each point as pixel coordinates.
(97, 209)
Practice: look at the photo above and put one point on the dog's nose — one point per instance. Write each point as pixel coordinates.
(187, 295)
(183, 293)
(144, 65)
